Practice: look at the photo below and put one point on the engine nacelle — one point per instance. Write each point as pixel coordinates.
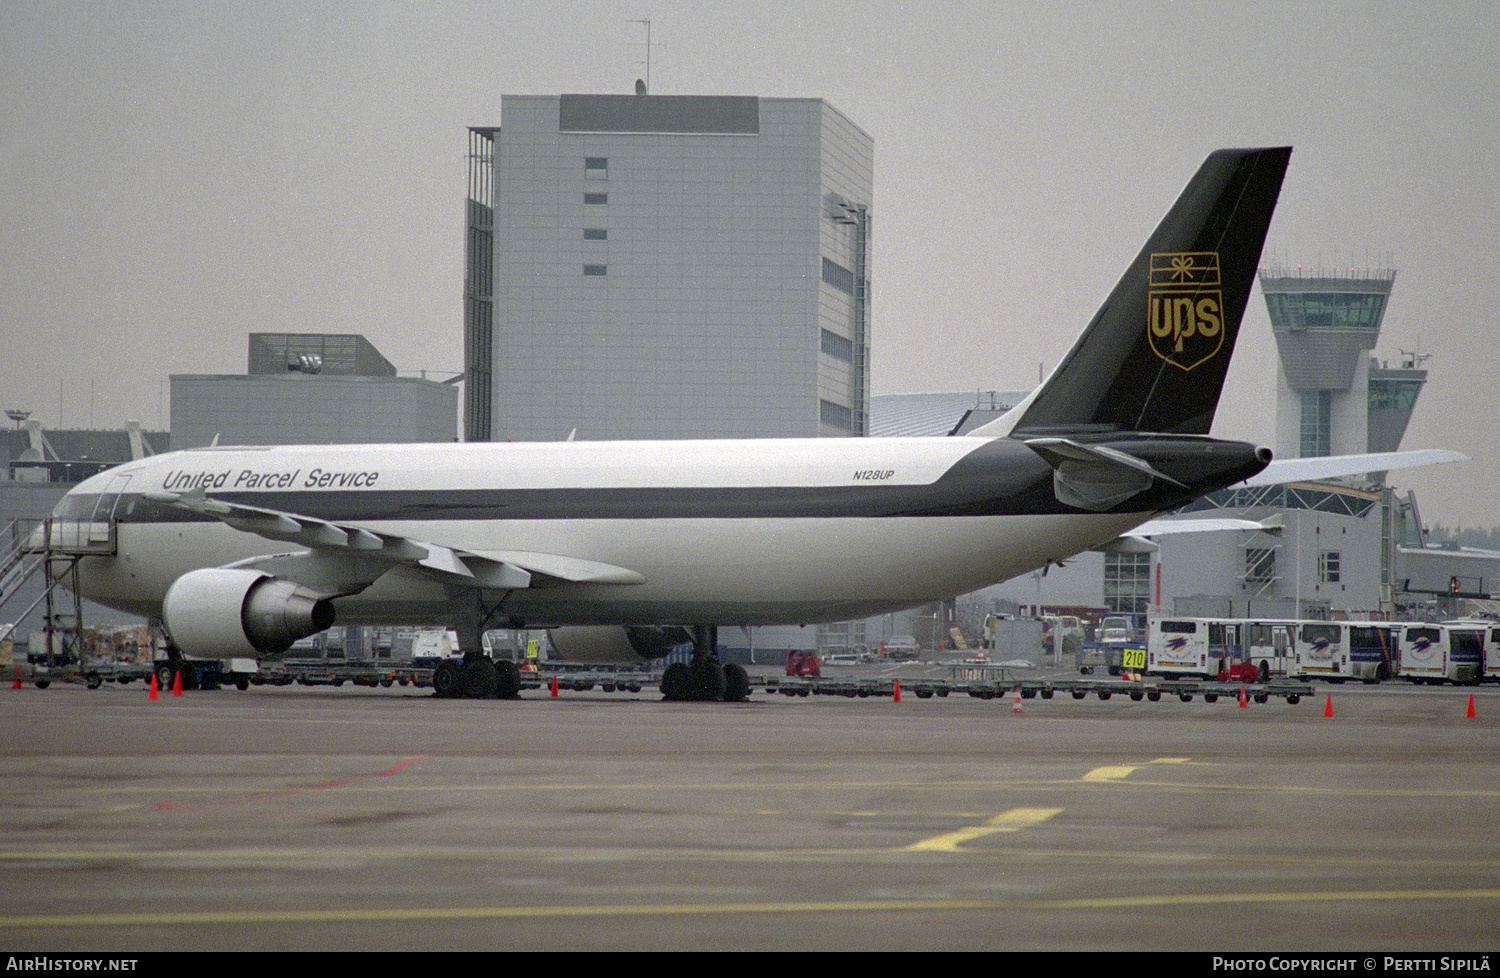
(604, 644)
(224, 613)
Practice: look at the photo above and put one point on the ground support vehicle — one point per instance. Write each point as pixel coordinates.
(622, 678)
(90, 674)
(196, 673)
(205, 673)
(995, 688)
(803, 663)
(97, 674)
(311, 671)
(1118, 636)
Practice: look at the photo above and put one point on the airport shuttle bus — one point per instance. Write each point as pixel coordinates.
(1340, 650)
(1200, 647)
(1489, 669)
(1374, 650)
(1270, 646)
(1450, 652)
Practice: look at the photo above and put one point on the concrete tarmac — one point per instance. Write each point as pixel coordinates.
(356, 819)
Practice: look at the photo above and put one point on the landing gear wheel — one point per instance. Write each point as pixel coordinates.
(447, 680)
(508, 685)
(479, 679)
(736, 683)
(676, 683)
(709, 681)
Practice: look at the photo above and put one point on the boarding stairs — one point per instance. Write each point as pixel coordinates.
(51, 547)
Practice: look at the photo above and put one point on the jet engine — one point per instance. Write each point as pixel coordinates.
(224, 613)
(612, 643)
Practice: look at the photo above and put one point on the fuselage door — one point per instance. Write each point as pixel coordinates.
(104, 509)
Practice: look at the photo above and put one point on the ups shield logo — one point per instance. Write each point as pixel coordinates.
(1185, 316)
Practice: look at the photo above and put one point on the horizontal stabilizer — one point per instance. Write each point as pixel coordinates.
(1173, 525)
(1338, 466)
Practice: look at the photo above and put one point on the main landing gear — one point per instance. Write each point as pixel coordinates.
(476, 677)
(704, 679)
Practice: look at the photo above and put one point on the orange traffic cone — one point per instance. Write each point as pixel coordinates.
(1243, 702)
(554, 685)
(1015, 706)
(1328, 708)
(177, 682)
(17, 683)
(896, 696)
(1470, 714)
(153, 695)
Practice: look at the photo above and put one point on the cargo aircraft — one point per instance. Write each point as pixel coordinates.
(628, 549)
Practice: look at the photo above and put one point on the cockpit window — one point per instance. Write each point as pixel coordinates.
(75, 507)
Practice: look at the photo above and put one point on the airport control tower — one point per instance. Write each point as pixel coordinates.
(1332, 397)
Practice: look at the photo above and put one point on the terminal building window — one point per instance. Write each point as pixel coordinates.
(1127, 583)
(1328, 567)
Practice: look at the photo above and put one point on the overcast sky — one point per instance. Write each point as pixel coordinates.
(174, 175)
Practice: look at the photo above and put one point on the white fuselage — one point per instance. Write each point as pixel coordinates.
(727, 532)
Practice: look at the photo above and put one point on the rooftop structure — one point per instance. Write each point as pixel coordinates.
(651, 266)
(308, 389)
(336, 354)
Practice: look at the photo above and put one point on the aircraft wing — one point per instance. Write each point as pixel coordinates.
(1335, 466)
(344, 557)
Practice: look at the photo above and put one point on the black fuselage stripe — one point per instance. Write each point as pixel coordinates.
(999, 478)
(612, 504)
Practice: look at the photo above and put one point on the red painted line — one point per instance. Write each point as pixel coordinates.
(396, 769)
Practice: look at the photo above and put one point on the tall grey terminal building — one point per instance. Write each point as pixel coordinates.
(662, 266)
